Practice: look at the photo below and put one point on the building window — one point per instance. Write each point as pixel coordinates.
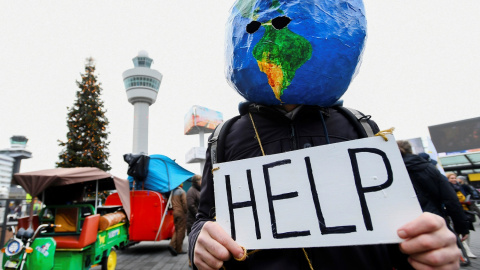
(142, 81)
(142, 62)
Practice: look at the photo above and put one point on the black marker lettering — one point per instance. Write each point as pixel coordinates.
(252, 203)
(271, 198)
(321, 220)
(358, 181)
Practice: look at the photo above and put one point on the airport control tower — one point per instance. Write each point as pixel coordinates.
(17, 151)
(142, 84)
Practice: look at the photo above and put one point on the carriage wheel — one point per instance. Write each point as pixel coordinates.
(110, 262)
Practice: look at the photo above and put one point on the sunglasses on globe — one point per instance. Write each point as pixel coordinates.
(277, 23)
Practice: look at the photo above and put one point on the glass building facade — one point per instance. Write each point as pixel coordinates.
(141, 61)
(144, 81)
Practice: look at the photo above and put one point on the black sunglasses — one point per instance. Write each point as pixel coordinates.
(277, 23)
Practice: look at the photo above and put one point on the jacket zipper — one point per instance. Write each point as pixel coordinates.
(294, 140)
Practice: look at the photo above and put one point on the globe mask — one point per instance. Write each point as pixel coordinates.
(294, 52)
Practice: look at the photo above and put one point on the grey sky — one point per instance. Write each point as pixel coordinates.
(420, 67)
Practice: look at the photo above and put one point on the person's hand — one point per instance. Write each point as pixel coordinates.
(465, 237)
(213, 247)
(430, 244)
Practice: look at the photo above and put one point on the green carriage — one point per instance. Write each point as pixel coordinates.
(66, 233)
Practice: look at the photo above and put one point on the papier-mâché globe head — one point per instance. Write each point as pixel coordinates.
(294, 51)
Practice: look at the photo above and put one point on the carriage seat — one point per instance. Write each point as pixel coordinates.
(87, 236)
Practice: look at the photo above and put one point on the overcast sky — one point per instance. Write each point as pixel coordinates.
(421, 67)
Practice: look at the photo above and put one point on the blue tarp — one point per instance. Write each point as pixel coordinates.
(164, 175)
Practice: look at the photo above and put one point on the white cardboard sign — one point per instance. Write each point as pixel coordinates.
(351, 193)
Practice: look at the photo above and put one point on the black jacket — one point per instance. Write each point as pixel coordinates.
(472, 191)
(193, 197)
(434, 192)
(281, 132)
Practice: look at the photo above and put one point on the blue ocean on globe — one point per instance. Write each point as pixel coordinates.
(294, 52)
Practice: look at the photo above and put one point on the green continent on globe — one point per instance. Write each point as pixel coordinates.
(279, 54)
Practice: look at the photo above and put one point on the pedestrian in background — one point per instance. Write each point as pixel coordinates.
(193, 199)
(179, 205)
(452, 178)
(434, 193)
(37, 206)
(472, 191)
(461, 194)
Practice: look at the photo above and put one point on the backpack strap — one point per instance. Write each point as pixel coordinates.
(359, 120)
(217, 141)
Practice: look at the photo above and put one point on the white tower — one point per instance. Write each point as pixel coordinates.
(142, 84)
(17, 152)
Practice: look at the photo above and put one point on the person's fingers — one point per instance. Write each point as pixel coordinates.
(429, 241)
(203, 260)
(425, 233)
(213, 247)
(425, 223)
(218, 234)
(420, 266)
(446, 258)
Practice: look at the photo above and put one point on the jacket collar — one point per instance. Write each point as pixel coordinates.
(279, 111)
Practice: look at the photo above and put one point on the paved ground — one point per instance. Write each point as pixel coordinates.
(150, 256)
(155, 256)
(475, 247)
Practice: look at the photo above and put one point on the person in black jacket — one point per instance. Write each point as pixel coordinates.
(284, 130)
(293, 60)
(193, 198)
(433, 190)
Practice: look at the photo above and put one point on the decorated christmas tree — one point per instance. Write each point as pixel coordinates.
(86, 144)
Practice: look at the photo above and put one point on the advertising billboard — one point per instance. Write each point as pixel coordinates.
(201, 119)
(460, 136)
